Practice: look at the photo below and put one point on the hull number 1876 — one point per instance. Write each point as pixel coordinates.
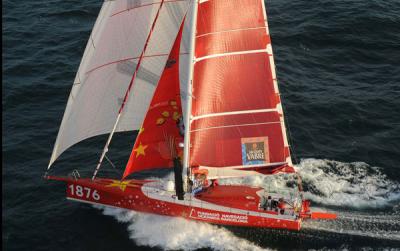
(84, 192)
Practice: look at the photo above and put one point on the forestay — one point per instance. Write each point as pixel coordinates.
(237, 119)
(108, 64)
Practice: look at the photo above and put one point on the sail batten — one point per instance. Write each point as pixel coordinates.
(225, 54)
(232, 113)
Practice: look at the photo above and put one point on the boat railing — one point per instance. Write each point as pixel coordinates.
(75, 174)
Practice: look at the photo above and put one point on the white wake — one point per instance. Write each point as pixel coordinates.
(170, 233)
(354, 185)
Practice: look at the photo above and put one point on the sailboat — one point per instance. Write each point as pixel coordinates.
(196, 79)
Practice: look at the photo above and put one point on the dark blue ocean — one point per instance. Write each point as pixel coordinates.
(338, 66)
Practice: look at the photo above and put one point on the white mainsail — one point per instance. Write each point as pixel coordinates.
(107, 66)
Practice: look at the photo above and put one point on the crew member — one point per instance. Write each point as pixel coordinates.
(214, 183)
(269, 203)
(281, 206)
(181, 126)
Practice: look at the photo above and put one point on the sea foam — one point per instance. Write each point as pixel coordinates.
(354, 185)
(170, 233)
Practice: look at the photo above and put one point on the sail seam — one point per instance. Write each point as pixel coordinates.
(145, 5)
(233, 113)
(230, 54)
(123, 60)
(232, 30)
(237, 125)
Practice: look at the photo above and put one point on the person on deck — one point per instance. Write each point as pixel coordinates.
(181, 126)
(263, 203)
(274, 205)
(269, 203)
(281, 206)
(214, 183)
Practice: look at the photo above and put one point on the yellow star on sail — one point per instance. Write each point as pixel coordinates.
(140, 150)
(141, 130)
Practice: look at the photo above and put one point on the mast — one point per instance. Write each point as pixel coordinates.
(105, 149)
(186, 153)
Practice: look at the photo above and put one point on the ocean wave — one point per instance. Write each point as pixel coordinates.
(171, 233)
(355, 184)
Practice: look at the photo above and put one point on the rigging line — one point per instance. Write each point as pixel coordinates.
(105, 150)
(109, 161)
(112, 164)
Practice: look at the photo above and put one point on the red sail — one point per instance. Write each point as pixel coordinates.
(157, 140)
(237, 115)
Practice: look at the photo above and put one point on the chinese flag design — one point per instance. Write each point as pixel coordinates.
(157, 140)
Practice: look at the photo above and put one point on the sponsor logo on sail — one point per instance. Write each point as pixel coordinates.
(255, 151)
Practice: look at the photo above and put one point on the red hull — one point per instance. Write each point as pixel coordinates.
(133, 195)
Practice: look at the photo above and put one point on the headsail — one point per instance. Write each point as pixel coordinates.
(159, 136)
(237, 119)
(108, 64)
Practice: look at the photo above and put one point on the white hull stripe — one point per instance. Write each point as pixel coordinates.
(230, 54)
(239, 125)
(247, 166)
(233, 113)
(233, 30)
